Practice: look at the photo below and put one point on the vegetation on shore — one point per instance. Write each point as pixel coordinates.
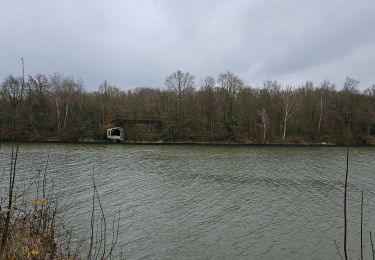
(32, 224)
(219, 110)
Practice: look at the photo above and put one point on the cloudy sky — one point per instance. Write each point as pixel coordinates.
(138, 43)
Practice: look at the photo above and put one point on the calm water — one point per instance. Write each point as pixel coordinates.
(198, 202)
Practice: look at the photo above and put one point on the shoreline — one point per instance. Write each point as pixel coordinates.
(216, 144)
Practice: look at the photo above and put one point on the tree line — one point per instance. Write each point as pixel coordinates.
(219, 109)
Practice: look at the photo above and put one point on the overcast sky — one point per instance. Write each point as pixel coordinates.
(138, 43)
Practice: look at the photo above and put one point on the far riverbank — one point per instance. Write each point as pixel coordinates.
(159, 143)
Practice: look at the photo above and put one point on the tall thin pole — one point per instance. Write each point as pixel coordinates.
(23, 77)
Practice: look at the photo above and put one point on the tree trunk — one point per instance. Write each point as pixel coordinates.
(58, 114)
(264, 132)
(287, 108)
(263, 117)
(66, 112)
(288, 102)
(284, 132)
(321, 114)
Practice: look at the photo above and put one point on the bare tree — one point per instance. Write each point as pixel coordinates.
(56, 89)
(11, 90)
(39, 83)
(351, 85)
(325, 85)
(104, 91)
(62, 91)
(229, 85)
(38, 102)
(263, 121)
(273, 88)
(321, 112)
(288, 104)
(370, 91)
(178, 82)
(70, 87)
(208, 88)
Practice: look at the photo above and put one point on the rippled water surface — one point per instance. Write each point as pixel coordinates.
(203, 202)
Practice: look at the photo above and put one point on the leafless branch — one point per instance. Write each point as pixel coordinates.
(362, 226)
(372, 248)
(338, 250)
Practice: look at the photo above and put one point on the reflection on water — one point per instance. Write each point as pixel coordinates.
(197, 202)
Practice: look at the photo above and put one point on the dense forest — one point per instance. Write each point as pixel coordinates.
(222, 109)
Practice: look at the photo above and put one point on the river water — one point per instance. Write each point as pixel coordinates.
(205, 202)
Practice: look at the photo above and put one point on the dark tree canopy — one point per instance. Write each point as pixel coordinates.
(222, 109)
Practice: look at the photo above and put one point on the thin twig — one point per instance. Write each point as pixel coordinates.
(92, 222)
(114, 238)
(338, 250)
(104, 221)
(98, 238)
(12, 175)
(121, 250)
(45, 171)
(372, 248)
(25, 190)
(345, 197)
(362, 226)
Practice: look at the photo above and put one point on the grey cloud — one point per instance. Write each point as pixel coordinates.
(334, 39)
(138, 43)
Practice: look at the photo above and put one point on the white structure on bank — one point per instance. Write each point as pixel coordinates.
(115, 134)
